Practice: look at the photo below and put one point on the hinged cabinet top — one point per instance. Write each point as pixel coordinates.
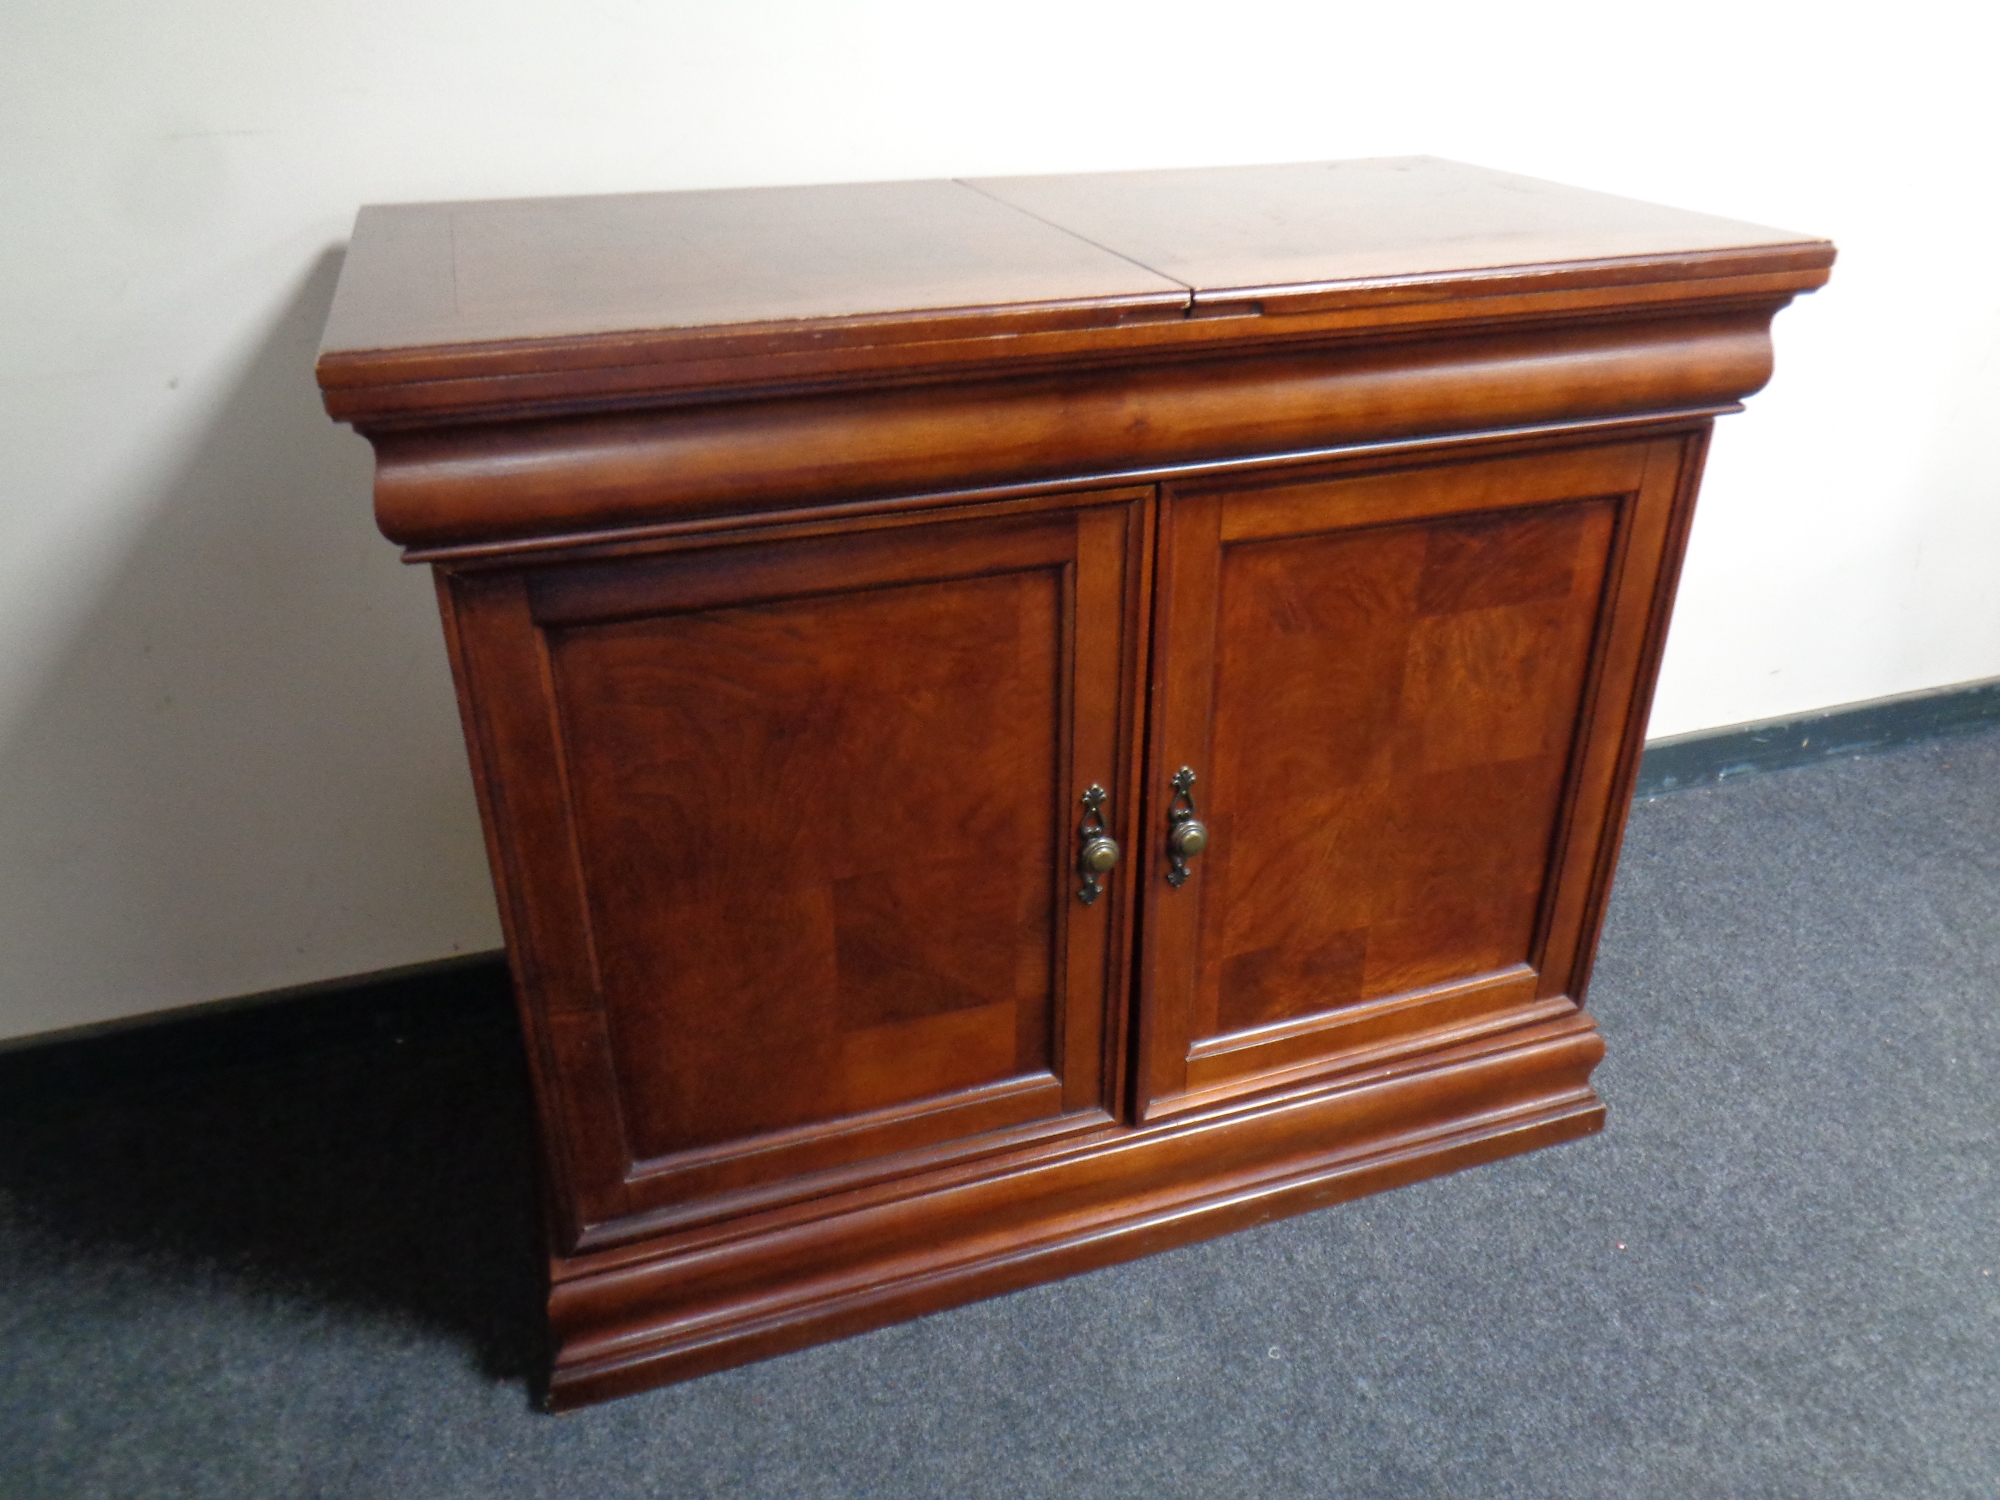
(1313, 233)
(458, 308)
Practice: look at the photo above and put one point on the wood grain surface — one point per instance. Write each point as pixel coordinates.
(818, 799)
(1381, 680)
(540, 268)
(511, 305)
(1307, 231)
(805, 555)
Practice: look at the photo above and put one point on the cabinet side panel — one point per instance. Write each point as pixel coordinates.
(1660, 514)
(501, 671)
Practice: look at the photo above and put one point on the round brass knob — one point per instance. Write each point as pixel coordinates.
(1188, 838)
(1100, 853)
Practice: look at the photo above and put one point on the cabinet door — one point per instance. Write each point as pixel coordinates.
(787, 835)
(1407, 697)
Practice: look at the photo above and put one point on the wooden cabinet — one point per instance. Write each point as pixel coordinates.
(828, 572)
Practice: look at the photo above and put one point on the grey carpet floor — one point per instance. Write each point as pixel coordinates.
(1776, 1274)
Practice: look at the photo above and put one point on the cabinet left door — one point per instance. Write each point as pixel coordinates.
(785, 832)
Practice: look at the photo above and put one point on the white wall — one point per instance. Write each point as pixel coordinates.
(228, 754)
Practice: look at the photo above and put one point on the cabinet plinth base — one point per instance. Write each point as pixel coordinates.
(1124, 1194)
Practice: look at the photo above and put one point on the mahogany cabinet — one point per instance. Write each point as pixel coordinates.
(1020, 723)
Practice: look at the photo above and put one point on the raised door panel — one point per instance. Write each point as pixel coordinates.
(1388, 688)
(818, 826)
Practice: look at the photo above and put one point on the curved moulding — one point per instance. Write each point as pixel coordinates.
(475, 484)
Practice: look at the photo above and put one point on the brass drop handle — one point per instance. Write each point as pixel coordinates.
(1187, 835)
(1100, 853)
(1100, 850)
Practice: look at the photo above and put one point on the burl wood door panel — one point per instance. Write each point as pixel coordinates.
(817, 833)
(1386, 686)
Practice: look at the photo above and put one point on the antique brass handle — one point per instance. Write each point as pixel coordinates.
(1100, 850)
(1187, 835)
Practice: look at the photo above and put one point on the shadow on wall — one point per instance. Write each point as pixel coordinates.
(246, 772)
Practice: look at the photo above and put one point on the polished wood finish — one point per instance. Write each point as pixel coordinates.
(807, 832)
(1385, 678)
(527, 269)
(1316, 235)
(596, 302)
(805, 556)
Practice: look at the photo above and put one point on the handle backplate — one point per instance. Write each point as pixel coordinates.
(1187, 835)
(1099, 851)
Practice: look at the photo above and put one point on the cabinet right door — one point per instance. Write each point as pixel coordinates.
(1408, 698)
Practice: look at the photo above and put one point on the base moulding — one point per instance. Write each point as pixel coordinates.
(1125, 1194)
